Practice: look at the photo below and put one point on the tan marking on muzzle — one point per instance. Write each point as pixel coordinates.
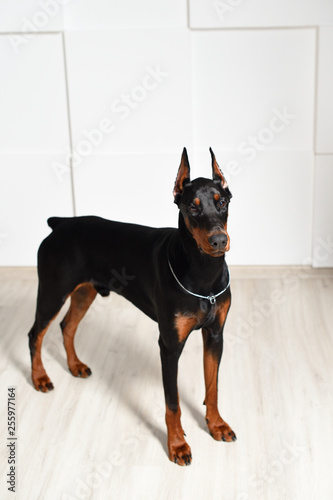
(202, 238)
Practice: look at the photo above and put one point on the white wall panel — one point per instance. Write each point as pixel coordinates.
(244, 80)
(33, 97)
(30, 16)
(129, 188)
(323, 213)
(30, 193)
(259, 13)
(106, 14)
(324, 133)
(325, 12)
(139, 81)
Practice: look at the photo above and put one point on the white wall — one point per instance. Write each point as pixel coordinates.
(125, 85)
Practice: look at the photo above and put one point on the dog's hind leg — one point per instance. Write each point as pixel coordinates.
(81, 298)
(48, 307)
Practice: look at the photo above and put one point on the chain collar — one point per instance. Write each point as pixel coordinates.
(211, 298)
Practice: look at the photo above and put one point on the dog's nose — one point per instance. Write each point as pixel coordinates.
(218, 241)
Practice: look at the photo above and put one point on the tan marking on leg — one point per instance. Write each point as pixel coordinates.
(39, 376)
(81, 298)
(218, 428)
(179, 450)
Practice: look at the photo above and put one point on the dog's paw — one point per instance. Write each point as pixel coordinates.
(42, 383)
(180, 454)
(79, 369)
(221, 431)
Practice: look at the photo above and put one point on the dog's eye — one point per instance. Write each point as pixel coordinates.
(193, 209)
(220, 202)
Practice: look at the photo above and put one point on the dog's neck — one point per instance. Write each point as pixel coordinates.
(205, 274)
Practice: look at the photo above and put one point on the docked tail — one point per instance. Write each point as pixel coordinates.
(53, 222)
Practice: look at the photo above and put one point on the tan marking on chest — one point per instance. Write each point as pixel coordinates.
(223, 311)
(185, 324)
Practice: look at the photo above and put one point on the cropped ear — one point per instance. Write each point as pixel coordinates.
(183, 177)
(217, 174)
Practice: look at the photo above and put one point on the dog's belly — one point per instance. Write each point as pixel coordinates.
(128, 286)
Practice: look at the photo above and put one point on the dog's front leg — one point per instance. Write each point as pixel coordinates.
(179, 450)
(213, 347)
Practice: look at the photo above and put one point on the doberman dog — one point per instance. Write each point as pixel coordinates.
(178, 277)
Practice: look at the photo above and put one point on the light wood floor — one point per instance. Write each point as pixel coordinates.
(105, 438)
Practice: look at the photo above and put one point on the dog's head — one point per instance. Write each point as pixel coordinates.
(204, 203)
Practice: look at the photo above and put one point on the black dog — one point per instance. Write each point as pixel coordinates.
(178, 277)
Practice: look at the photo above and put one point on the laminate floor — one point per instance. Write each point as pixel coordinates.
(104, 437)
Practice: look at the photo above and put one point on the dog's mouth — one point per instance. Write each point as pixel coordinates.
(214, 253)
(218, 253)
